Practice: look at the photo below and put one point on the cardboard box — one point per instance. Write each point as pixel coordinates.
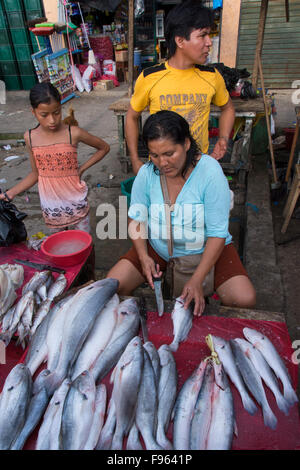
(105, 84)
(121, 56)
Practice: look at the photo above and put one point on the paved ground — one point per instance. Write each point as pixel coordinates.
(272, 259)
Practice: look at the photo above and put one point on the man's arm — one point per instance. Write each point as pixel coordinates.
(132, 137)
(226, 122)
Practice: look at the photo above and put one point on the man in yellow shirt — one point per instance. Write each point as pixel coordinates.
(183, 84)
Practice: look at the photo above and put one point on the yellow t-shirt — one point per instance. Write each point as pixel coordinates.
(188, 92)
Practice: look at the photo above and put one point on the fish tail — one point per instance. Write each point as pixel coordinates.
(174, 346)
(52, 382)
(117, 442)
(282, 404)
(249, 404)
(270, 419)
(290, 395)
(162, 440)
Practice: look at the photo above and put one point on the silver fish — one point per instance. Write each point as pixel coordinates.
(253, 382)
(146, 412)
(36, 408)
(154, 357)
(57, 287)
(126, 328)
(43, 310)
(182, 323)
(167, 391)
(107, 432)
(78, 323)
(225, 354)
(265, 372)
(266, 347)
(127, 379)
(14, 402)
(37, 351)
(39, 278)
(221, 428)
(203, 410)
(18, 312)
(184, 408)
(98, 337)
(78, 412)
(49, 431)
(98, 419)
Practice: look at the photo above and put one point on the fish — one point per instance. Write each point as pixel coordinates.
(77, 325)
(20, 308)
(36, 408)
(39, 278)
(126, 328)
(78, 412)
(253, 382)
(184, 408)
(167, 391)
(25, 322)
(133, 440)
(107, 432)
(127, 380)
(98, 337)
(268, 350)
(202, 414)
(182, 323)
(57, 287)
(98, 418)
(7, 292)
(225, 354)
(7, 319)
(222, 424)
(49, 431)
(38, 351)
(43, 310)
(14, 401)
(146, 411)
(154, 357)
(16, 273)
(265, 372)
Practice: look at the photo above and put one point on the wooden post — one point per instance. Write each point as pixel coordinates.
(130, 45)
(260, 40)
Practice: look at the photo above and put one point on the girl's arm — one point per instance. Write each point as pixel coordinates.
(138, 234)
(80, 135)
(29, 180)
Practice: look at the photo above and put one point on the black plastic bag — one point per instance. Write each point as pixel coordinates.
(12, 229)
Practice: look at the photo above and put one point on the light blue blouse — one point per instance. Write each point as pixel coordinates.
(201, 209)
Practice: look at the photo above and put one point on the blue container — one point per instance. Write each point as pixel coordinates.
(137, 57)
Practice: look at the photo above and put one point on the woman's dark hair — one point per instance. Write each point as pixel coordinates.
(170, 125)
(43, 93)
(185, 18)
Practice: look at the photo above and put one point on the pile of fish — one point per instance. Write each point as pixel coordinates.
(24, 316)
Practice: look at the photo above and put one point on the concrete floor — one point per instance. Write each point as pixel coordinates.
(273, 266)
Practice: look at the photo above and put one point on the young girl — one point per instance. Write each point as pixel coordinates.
(52, 147)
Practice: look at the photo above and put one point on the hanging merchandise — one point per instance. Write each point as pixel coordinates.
(60, 73)
(91, 59)
(40, 65)
(139, 9)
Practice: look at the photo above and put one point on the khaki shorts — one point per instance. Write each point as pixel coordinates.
(227, 266)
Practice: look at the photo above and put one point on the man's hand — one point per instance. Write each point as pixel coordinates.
(220, 148)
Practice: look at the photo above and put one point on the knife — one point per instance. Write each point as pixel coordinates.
(158, 295)
(39, 267)
(143, 318)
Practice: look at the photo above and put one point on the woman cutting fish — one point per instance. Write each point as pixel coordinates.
(192, 231)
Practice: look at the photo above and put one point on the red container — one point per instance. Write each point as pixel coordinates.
(67, 248)
(289, 135)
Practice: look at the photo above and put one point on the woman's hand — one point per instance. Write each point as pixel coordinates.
(193, 291)
(150, 270)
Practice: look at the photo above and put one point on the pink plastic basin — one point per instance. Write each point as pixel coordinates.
(67, 248)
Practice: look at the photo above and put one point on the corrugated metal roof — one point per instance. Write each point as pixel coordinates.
(281, 47)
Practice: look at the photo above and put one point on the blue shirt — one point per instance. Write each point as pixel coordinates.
(201, 209)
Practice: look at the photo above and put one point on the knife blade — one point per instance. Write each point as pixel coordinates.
(38, 266)
(143, 318)
(158, 295)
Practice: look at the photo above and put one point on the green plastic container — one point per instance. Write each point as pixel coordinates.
(126, 187)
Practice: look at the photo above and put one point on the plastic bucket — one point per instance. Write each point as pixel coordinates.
(137, 57)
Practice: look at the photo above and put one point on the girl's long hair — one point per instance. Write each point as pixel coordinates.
(170, 125)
